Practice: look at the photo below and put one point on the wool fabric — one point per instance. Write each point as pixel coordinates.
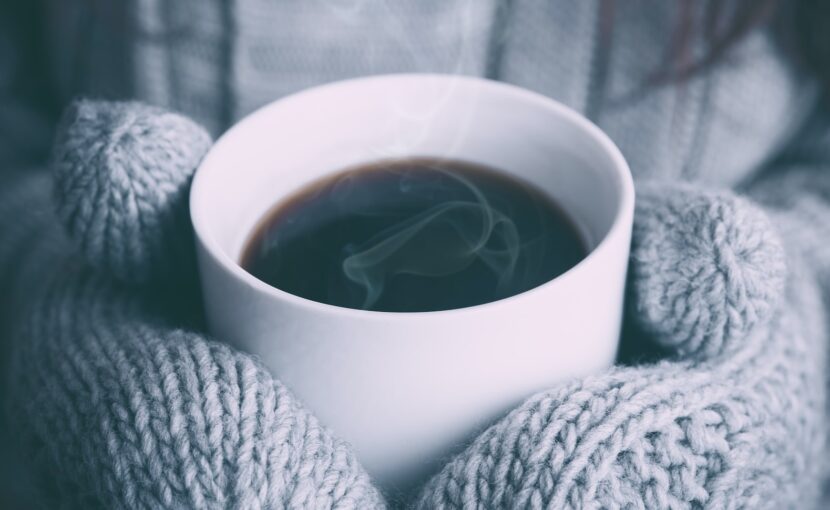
(730, 255)
(138, 409)
(122, 172)
(118, 399)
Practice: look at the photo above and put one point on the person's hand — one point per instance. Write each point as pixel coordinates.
(120, 408)
(116, 396)
(733, 418)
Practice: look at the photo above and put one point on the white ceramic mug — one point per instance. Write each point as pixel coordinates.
(408, 389)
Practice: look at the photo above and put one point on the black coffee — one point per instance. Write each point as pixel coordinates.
(413, 235)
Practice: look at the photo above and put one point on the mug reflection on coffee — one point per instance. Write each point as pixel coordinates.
(413, 235)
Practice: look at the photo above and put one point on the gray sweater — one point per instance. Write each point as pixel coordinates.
(719, 426)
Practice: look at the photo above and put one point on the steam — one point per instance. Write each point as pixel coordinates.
(443, 240)
(449, 41)
(452, 235)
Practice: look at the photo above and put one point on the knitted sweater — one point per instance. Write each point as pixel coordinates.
(119, 401)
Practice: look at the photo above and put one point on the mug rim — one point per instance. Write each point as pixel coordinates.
(624, 186)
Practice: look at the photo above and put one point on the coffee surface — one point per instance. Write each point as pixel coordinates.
(413, 235)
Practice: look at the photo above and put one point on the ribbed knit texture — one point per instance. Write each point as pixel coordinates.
(118, 401)
(217, 60)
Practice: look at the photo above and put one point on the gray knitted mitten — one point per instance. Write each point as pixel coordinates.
(116, 396)
(121, 402)
(734, 420)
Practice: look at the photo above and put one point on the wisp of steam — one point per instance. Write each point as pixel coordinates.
(413, 235)
(440, 241)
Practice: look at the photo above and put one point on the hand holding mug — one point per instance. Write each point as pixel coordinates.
(228, 375)
(405, 389)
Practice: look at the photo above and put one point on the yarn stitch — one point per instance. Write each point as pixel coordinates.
(135, 408)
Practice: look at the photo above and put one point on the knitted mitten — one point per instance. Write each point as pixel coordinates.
(115, 397)
(120, 401)
(734, 420)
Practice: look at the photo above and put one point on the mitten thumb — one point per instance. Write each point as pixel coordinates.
(706, 268)
(122, 172)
